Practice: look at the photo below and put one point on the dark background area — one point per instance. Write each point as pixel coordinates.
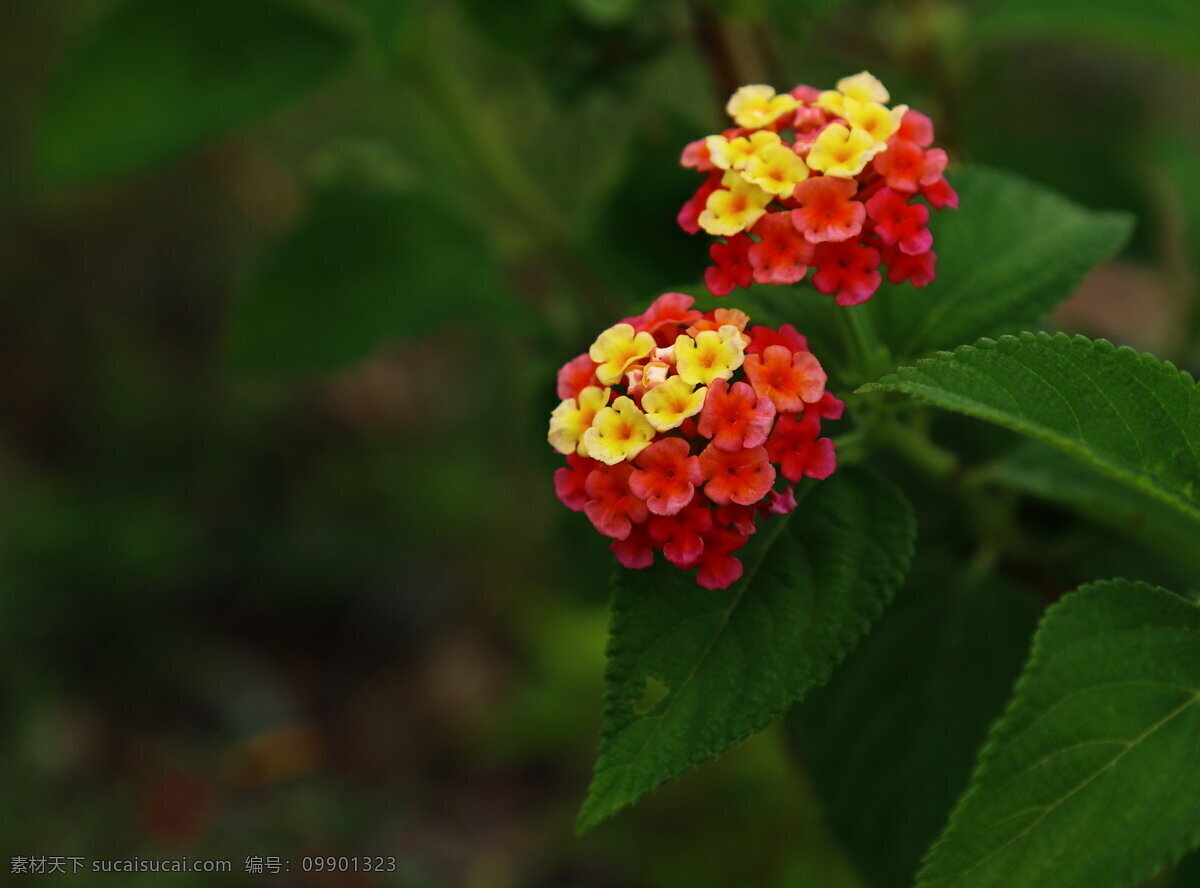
(283, 573)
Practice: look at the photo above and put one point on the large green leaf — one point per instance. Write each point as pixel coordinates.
(155, 77)
(1155, 26)
(1124, 413)
(730, 661)
(1091, 779)
(1006, 257)
(364, 266)
(890, 741)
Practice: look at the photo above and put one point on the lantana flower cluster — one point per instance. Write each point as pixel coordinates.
(681, 430)
(829, 180)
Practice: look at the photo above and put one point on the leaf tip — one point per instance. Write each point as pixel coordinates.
(591, 815)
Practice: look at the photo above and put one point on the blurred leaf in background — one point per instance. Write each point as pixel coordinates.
(364, 267)
(890, 741)
(1005, 259)
(1040, 471)
(153, 78)
(1156, 27)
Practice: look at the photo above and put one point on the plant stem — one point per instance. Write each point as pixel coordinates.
(453, 99)
(866, 356)
(982, 563)
(714, 46)
(919, 450)
(452, 96)
(851, 447)
(857, 347)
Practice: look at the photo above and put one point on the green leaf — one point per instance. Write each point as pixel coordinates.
(729, 661)
(1053, 476)
(897, 728)
(1091, 779)
(606, 13)
(1006, 257)
(364, 266)
(383, 18)
(1126, 414)
(1157, 27)
(156, 77)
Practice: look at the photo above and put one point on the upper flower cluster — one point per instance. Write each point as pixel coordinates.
(822, 179)
(677, 427)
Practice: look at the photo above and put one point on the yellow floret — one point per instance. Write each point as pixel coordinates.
(733, 208)
(861, 87)
(735, 154)
(571, 419)
(776, 170)
(712, 354)
(757, 106)
(616, 348)
(840, 151)
(618, 432)
(873, 118)
(864, 87)
(669, 404)
(729, 154)
(832, 101)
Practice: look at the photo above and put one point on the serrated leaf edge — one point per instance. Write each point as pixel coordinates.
(898, 382)
(893, 580)
(1118, 227)
(1034, 665)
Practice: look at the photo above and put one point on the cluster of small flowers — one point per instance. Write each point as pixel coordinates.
(668, 449)
(821, 179)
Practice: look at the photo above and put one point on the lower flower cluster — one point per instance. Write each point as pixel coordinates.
(682, 429)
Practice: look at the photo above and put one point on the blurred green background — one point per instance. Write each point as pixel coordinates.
(286, 284)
